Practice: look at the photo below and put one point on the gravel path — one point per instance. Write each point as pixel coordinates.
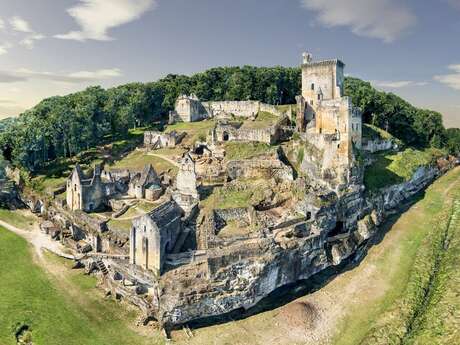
(39, 240)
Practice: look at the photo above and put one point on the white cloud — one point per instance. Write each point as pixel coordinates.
(452, 80)
(2, 24)
(383, 19)
(398, 84)
(4, 48)
(20, 25)
(24, 74)
(97, 17)
(30, 40)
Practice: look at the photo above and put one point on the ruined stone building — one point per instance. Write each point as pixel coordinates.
(87, 194)
(230, 131)
(142, 183)
(154, 235)
(186, 193)
(188, 109)
(157, 140)
(329, 120)
(191, 109)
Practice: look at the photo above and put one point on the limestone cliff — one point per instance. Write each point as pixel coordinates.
(240, 275)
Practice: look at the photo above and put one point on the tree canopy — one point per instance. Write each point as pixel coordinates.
(64, 126)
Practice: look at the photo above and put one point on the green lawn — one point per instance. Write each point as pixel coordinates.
(263, 120)
(249, 192)
(54, 312)
(394, 168)
(371, 132)
(196, 131)
(137, 160)
(17, 218)
(242, 150)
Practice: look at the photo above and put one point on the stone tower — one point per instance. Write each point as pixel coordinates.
(74, 189)
(329, 120)
(186, 193)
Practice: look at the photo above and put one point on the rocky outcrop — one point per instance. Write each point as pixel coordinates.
(240, 275)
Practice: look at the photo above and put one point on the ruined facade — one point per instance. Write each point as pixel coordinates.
(186, 193)
(158, 140)
(154, 235)
(188, 109)
(191, 109)
(231, 131)
(86, 194)
(143, 181)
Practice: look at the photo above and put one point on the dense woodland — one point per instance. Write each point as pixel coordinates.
(65, 126)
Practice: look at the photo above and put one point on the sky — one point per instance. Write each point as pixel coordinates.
(56, 47)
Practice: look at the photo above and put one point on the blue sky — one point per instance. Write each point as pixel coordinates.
(50, 47)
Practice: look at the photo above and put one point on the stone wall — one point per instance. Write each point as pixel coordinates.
(379, 145)
(260, 167)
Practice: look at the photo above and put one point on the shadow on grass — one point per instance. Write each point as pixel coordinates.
(378, 175)
(291, 292)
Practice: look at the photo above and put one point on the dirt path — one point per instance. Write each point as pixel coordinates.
(38, 240)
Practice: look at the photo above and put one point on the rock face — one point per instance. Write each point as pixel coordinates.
(241, 274)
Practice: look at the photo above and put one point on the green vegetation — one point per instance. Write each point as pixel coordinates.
(137, 160)
(263, 120)
(57, 309)
(427, 311)
(394, 168)
(402, 266)
(372, 132)
(62, 127)
(414, 126)
(55, 173)
(122, 225)
(17, 218)
(437, 323)
(240, 150)
(249, 192)
(196, 131)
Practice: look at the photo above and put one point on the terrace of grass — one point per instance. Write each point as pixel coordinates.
(394, 168)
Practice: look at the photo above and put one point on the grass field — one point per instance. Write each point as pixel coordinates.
(18, 218)
(403, 268)
(57, 309)
(263, 120)
(137, 160)
(240, 150)
(196, 131)
(394, 168)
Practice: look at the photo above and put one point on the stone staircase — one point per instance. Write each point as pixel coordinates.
(100, 264)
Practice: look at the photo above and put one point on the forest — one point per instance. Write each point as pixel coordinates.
(64, 126)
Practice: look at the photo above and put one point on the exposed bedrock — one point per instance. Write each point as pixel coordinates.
(240, 275)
